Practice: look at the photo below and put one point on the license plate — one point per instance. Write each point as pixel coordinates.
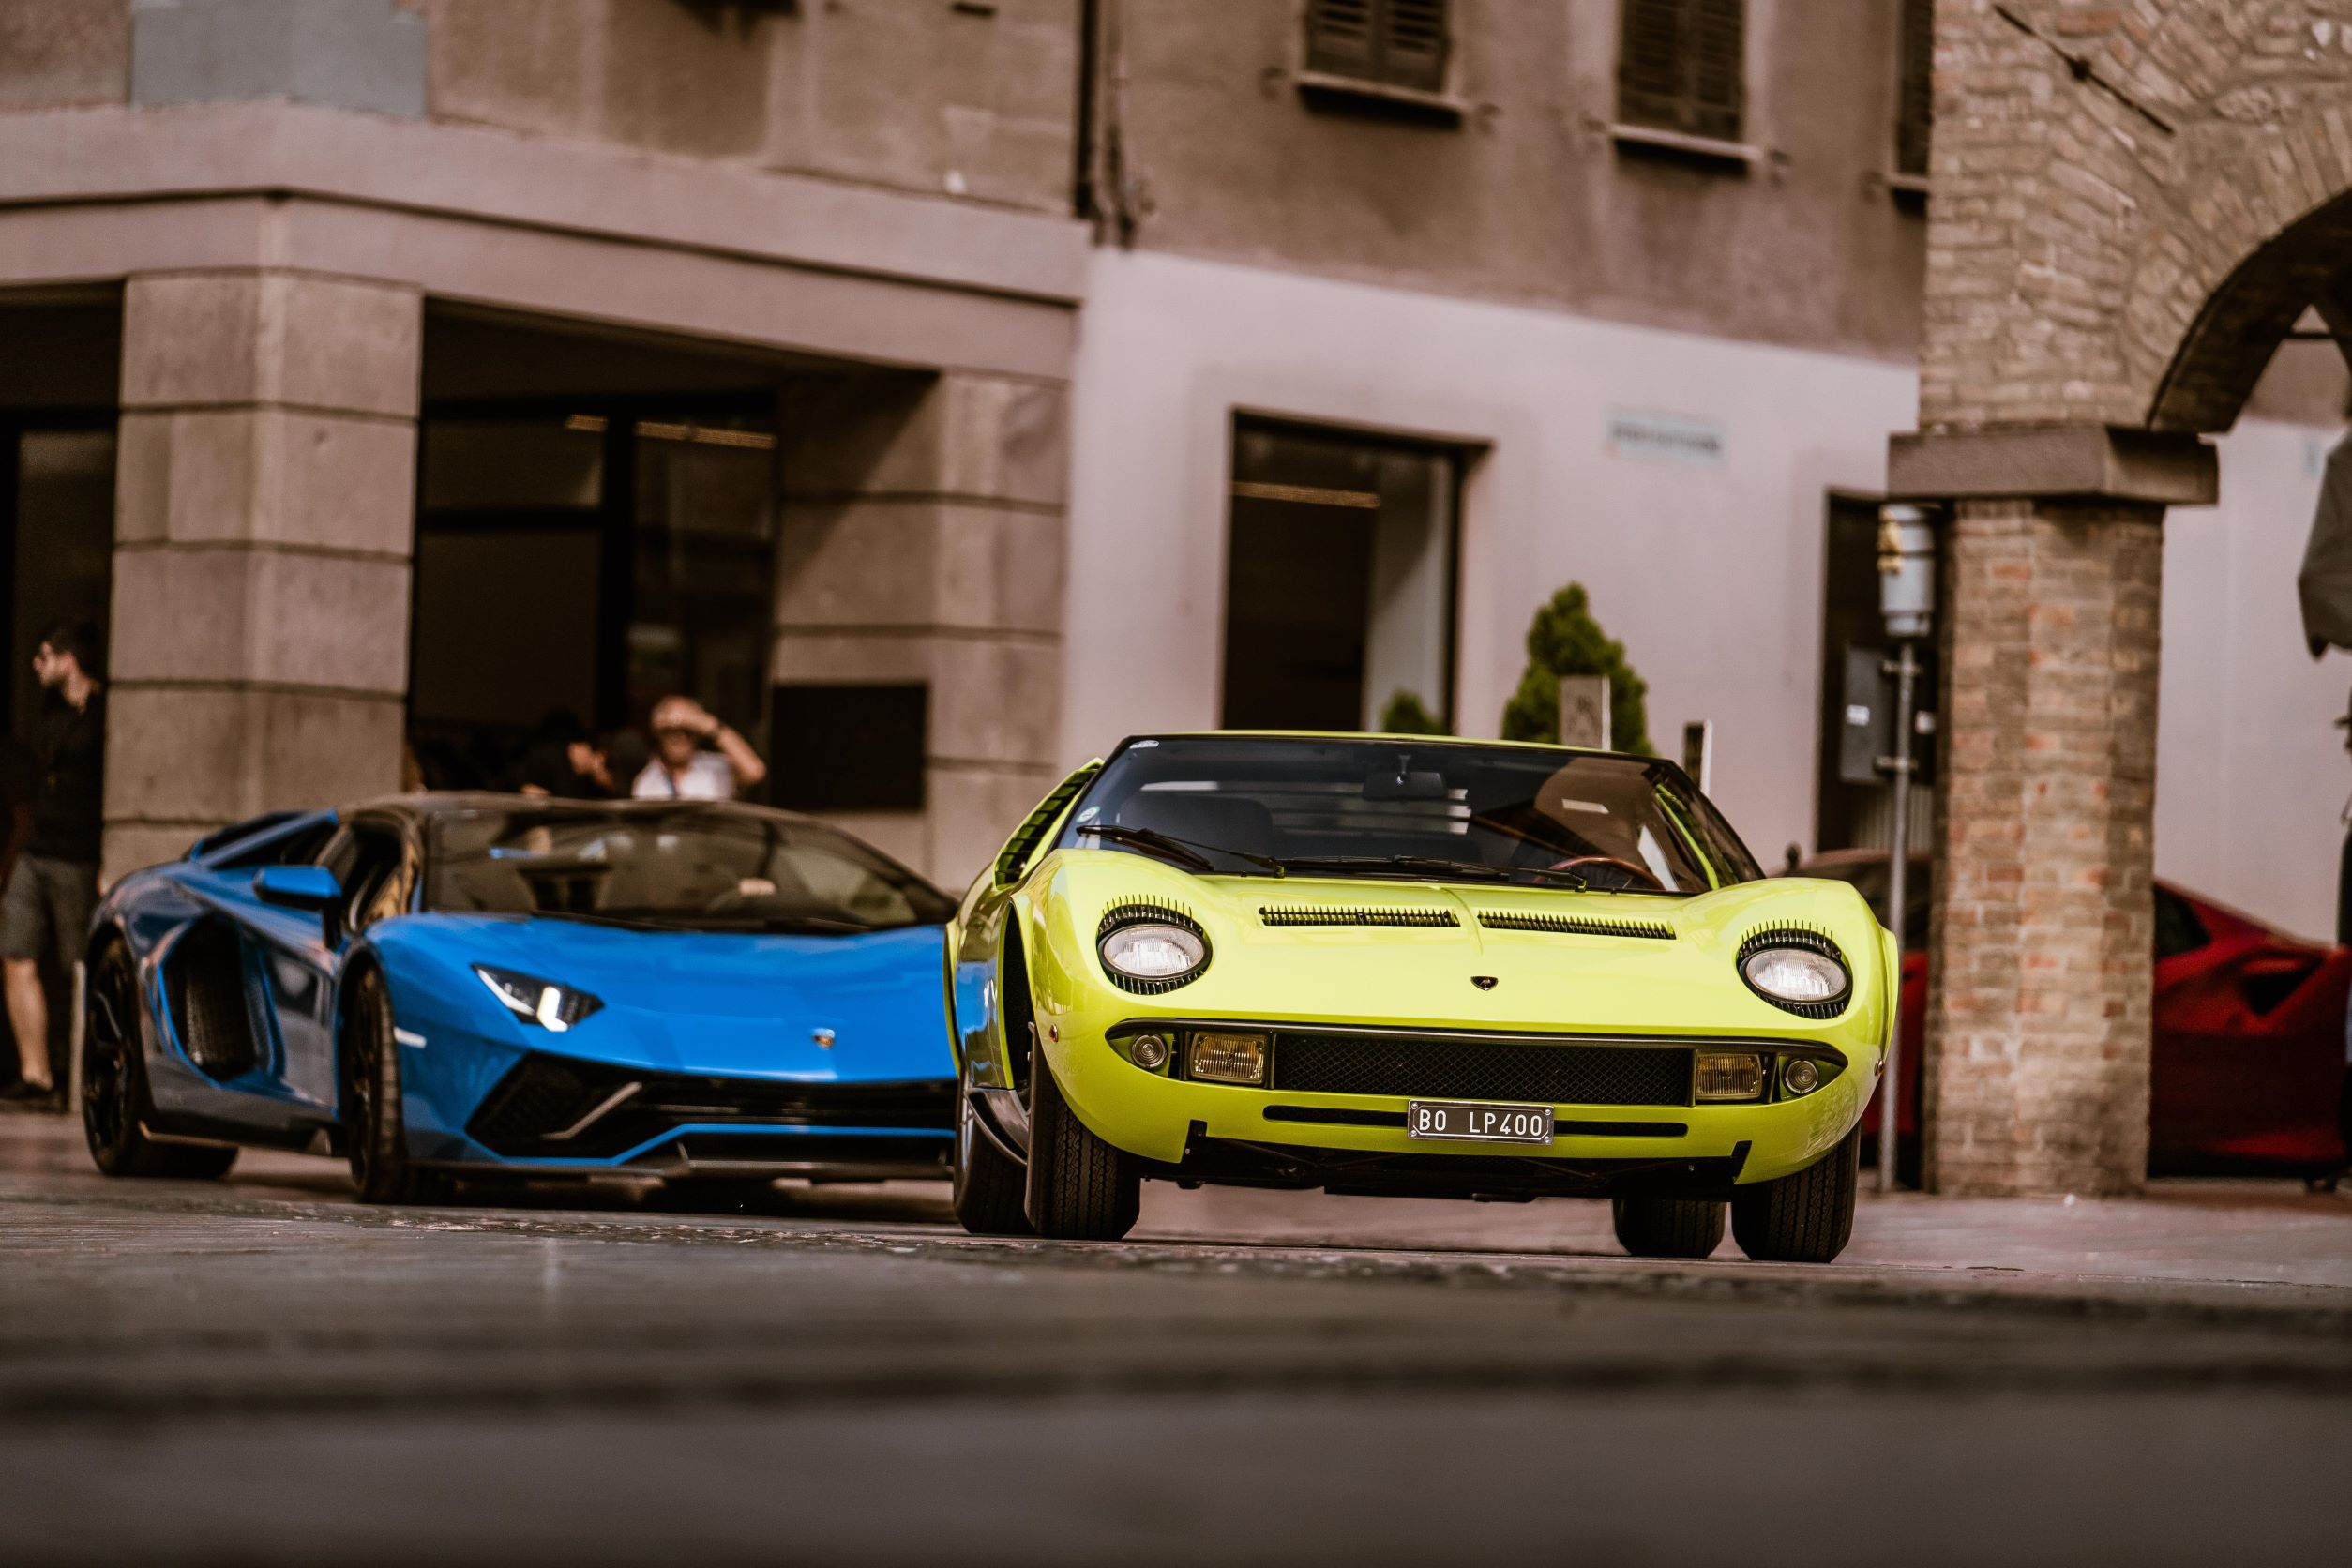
(1478, 1121)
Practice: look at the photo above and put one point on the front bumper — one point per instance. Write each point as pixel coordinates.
(553, 1114)
(1288, 1134)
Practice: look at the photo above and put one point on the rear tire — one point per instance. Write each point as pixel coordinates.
(114, 1102)
(376, 1131)
(1806, 1217)
(1080, 1189)
(1669, 1226)
(990, 1188)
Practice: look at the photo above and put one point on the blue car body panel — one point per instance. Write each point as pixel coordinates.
(771, 1029)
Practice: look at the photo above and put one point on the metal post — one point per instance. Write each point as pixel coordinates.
(1905, 672)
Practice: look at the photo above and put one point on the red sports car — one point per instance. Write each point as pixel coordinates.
(2249, 1072)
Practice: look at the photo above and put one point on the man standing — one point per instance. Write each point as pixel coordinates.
(682, 770)
(54, 886)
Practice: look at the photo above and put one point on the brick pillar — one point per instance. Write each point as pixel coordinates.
(923, 540)
(2038, 1022)
(264, 517)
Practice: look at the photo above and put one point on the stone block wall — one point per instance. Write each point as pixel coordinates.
(264, 502)
(924, 538)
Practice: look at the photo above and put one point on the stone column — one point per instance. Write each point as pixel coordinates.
(263, 520)
(2042, 952)
(924, 538)
(2038, 1023)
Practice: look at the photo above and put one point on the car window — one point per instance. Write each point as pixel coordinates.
(376, 881)
(1539, 815)
(288, 846)
(672, 866)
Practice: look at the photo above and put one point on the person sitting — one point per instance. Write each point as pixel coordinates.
(680, 769)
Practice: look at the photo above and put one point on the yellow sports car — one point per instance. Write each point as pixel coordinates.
(1393, 964)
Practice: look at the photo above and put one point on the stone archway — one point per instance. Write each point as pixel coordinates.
(2130, 208)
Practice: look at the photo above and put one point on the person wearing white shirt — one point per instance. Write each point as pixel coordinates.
(682, 770)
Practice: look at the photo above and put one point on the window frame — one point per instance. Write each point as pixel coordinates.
(1324, 69)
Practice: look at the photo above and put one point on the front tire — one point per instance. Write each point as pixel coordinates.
(990, 1188)
(376, 1131)
(1667, 1226)
(1080, 1189)
(114, 1102)
(1806, 1217)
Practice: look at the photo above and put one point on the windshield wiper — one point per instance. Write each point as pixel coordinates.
(1184, 852)
(1422, 864)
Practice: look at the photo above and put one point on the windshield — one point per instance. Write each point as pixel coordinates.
(672, 865)
(1437, 811)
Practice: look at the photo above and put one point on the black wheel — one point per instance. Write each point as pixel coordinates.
(1080, 1189)
(989, 1187)
(1669, 1226)
(114, 1084)
(1802, 1218)
(375, 1134)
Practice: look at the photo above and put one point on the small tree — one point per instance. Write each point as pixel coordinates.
(1565, 640)
(1406, 716)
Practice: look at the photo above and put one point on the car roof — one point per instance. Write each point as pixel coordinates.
(1384, 737)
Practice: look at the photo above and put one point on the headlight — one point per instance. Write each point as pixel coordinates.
(1155, 952)
(552, 1007)
(1798, 971)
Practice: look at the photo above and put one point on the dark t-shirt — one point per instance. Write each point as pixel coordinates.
(550, 767)
(70, 781)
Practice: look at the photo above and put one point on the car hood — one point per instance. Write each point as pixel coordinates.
(854, 1006)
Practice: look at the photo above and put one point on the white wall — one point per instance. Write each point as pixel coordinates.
(2250, 776)
(1710, 576)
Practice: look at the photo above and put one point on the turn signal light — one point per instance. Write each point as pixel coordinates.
(1227, 1058)
(1148, 1050)
(1729, 1076)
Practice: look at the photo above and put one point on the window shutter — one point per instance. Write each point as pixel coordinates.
(1649, 64)
(1915, 112)
(1339, 37)
(1683, 66)
(1719, 73)
(1400, 43)
(1413, 44)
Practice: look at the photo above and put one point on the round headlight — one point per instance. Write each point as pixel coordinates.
(1152, 951)
(1795, 975)
(1803, 1077)
(1148, 1051)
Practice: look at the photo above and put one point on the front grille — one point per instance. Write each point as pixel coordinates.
(545, 1097)
(1437, 1068)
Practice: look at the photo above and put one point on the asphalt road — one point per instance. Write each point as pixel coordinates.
(262, 1371)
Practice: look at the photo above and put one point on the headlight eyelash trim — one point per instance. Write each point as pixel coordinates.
(1150, 912)
(1806, 938)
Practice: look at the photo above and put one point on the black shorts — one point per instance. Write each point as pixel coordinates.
(47, 909)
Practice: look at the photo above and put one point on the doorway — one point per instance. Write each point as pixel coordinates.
(1340, 572)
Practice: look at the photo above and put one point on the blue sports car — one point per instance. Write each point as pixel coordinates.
(465, 983)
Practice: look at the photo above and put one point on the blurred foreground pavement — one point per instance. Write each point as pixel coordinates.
(262, 1371)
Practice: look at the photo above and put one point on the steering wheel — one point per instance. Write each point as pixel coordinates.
(1573, 862)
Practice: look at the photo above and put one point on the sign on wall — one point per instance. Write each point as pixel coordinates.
(1667, 438)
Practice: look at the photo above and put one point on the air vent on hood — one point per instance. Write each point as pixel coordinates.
(1579, 926)
(1309, 914)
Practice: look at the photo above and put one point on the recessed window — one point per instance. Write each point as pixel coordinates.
(1339, 582)
(1682, 66)
(1915, 102)
(1393, 43)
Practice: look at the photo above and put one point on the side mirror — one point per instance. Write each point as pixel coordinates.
(312, 888)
